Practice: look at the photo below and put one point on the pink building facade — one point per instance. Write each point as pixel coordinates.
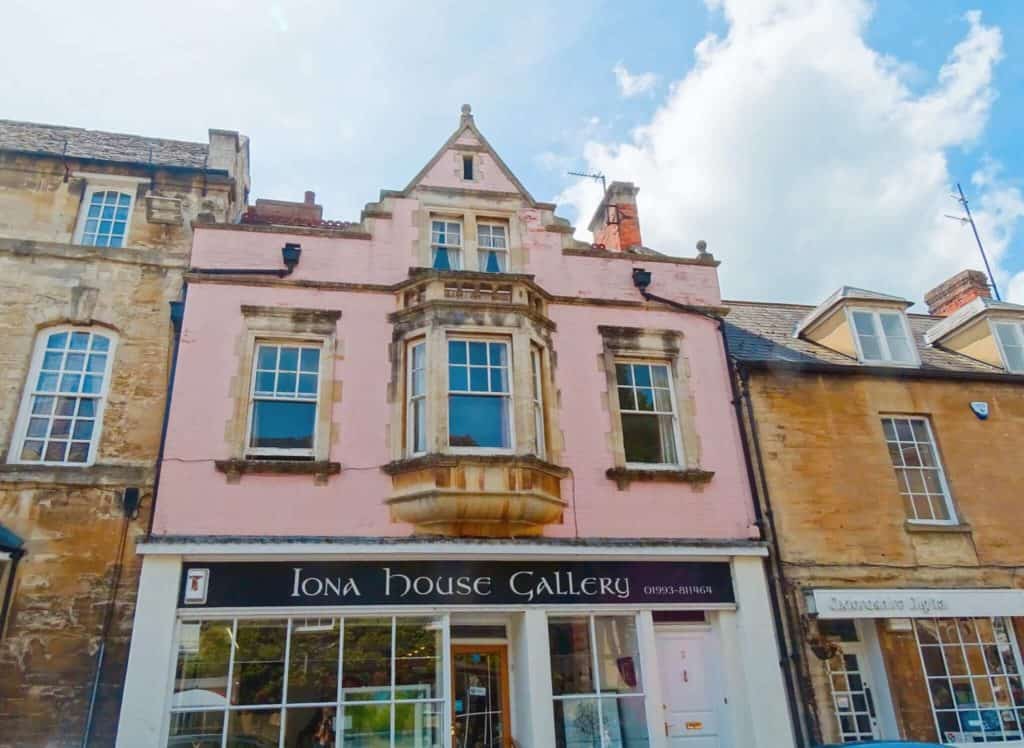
(446, 476)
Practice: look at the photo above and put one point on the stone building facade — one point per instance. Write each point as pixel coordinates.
(95, 234)
(887, 449)
(448, 472)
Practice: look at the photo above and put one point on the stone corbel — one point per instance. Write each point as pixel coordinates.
(165, 210)
(623, 476)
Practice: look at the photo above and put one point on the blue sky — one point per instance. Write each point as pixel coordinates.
(809, 142)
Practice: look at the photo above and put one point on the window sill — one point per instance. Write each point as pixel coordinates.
(962, 527)
(96, 474)
(235, 469)
(623, 476)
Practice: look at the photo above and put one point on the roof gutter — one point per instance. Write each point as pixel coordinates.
(893, 372)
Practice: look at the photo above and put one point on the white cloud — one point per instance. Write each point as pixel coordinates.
(802, 157)
(631, 85)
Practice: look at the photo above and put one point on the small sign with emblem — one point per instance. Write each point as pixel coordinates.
(196, 585)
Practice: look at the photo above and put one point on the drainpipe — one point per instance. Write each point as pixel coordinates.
(642, 279)
(177, 315)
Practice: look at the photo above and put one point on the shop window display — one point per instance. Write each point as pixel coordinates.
(309, 682)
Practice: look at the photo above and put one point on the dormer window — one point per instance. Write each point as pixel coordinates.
(446, 245)
(882, 337)
(1011, 345)
(493, 243)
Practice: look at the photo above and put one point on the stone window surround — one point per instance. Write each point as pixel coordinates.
(20, 426)
(460, 152)
(283, 324)
(95, 182)
(435, 336)
(661, 346)
(469, 216)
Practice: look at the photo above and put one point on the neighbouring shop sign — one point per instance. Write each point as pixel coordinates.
(447, 583)
(915, 603)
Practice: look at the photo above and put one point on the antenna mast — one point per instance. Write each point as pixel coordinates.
(960, 198)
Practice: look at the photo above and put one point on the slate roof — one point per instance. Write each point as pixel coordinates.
(76, 142)
(763, 332)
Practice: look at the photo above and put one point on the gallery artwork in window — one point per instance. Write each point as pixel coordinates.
(597, 682)
(883, 337)
(493, 244)
(479, 394)
(445, 245)
(65, 395)
(919, 474)
(285, 391)
(107, 215)
(647, 406)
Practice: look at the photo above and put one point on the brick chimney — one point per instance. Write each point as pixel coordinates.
(961, 289)
(616, 223)
(285, 212)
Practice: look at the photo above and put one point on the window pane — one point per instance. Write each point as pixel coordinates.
(900, 349)
(258, 674)
(196, 729)
(478, 421)
(313, 661)
(79, 341)
(457, 351)
(367, 726)
(201, 675)
(43, 405)
(458, 378)
(478, 379)
(642, 372)
(577, 723)
(309, 727)
(418, 659)
(498, 354)
(642, 437)
(280, 424)
(417, 725)
(624, 374)
(420, 426)
(441, 259)
(32, 450)
(366, 670)
(660, 376)
(100, 343)
(251, 727)
(864, 323)
(618, 655)
(289, 360)
(477, 353)
(266, 357)
(310, 359)
(571, 656)
(625, 722)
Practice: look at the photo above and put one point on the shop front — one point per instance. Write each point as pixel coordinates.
(430, 650)
(922, 664)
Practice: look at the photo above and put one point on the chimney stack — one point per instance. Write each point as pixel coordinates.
(310, 197)
(616, 223)
(285, 212)
(961, 289)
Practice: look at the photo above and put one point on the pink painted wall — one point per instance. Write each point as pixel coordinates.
(447, 172)
(196, 499)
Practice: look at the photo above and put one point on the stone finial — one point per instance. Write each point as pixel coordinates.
(702, 252)
(467, 114)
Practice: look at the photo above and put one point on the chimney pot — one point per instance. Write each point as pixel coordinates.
(310, 197)
(961, 289)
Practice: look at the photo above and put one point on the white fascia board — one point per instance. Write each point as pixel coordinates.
(285, 551)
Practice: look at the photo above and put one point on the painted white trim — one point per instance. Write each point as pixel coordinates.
(28, 389)
(103, 183)
(993, 323)
(295, 551)
(509, 396)
(885, 713)
(914, 603)
(883, 340)
(941, 470)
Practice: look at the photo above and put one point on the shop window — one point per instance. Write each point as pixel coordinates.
(65, 394)
(479, 394)
(106, 215)
(650, 435)
(537, 379)
(492, 240)
(285, 390)
(446, 245)
(309, 681)
(919, 473)
(1011, 345)
(597, 682)
(883, 337)
(416, 405)
(973, 672)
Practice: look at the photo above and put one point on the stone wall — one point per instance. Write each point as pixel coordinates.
(71, 518)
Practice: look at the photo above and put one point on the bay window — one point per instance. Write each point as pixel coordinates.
(416, 402)
(537, 379)
(597, 682)
(285, 391)
(65, 394)
(479, 394)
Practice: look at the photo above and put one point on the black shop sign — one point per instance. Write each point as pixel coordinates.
(453, 583)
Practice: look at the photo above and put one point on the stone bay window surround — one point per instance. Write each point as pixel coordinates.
(496, 497)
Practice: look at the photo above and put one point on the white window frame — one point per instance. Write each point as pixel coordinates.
(284, 342)
(1018, 333)
(940, 470)
(509, 396)
(539, 421)
(29, 392)
(482, 249)
(676, 433)
(412, 397)
(455, 251)
(104, 183)
(883, 340)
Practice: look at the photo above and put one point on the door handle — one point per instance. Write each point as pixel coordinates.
(871, 701)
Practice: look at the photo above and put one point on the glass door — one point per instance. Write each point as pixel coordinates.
(851, 694)
(480, 703)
